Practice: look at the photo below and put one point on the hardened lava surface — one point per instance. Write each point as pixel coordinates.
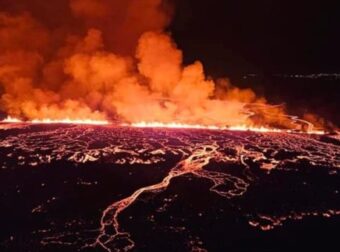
(106, 188)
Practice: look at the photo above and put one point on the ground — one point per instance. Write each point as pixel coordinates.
(106, 188)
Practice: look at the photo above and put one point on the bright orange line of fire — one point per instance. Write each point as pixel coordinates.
(213, 127)
(55, 121)
(173, 125)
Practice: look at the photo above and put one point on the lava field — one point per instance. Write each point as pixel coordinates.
(107, 188)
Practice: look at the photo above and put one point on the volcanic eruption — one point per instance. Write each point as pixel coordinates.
(109, 142)
(114, 61)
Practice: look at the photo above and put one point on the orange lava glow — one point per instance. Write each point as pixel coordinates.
(85, 70)
(171, 125)
(214, 127)
(56, 121)
(10, 119)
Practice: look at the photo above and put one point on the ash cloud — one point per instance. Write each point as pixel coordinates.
(96, 59)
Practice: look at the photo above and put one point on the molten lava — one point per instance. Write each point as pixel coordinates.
(223, 163)
(57, 121)
(172, 125)
(214, 127)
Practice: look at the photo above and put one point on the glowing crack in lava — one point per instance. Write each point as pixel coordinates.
(233, 166)
(192, 164)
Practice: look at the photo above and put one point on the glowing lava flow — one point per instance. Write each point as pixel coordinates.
(57, 121)
(172, 125)
(111, 235)
(214, 127)
(110, 232)
(229, 161)
(10, 119)
(72, 121)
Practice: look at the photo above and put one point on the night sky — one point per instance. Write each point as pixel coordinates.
(268, 39)
(259, 36)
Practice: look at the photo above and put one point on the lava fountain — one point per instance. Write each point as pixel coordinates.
(94, 74)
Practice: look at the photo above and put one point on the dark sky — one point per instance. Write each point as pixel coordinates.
(260, 36)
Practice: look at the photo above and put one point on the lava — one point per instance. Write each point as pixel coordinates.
(243, 160)
(110, 233)
(173, 125)
(75, 65)
(192, 164)
(10, 119)
(214, 127)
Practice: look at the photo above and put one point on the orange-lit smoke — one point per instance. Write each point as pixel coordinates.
(111, 60)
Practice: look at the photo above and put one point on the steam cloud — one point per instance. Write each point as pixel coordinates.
(109, 59)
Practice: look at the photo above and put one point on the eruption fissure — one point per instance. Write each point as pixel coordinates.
(310, 129)
(231, 162)
(108, 61)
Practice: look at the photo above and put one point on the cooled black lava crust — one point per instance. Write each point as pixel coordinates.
(105, 188)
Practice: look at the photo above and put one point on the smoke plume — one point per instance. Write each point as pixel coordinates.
(109, 60)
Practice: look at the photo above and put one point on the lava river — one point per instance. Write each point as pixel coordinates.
(107, 188)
